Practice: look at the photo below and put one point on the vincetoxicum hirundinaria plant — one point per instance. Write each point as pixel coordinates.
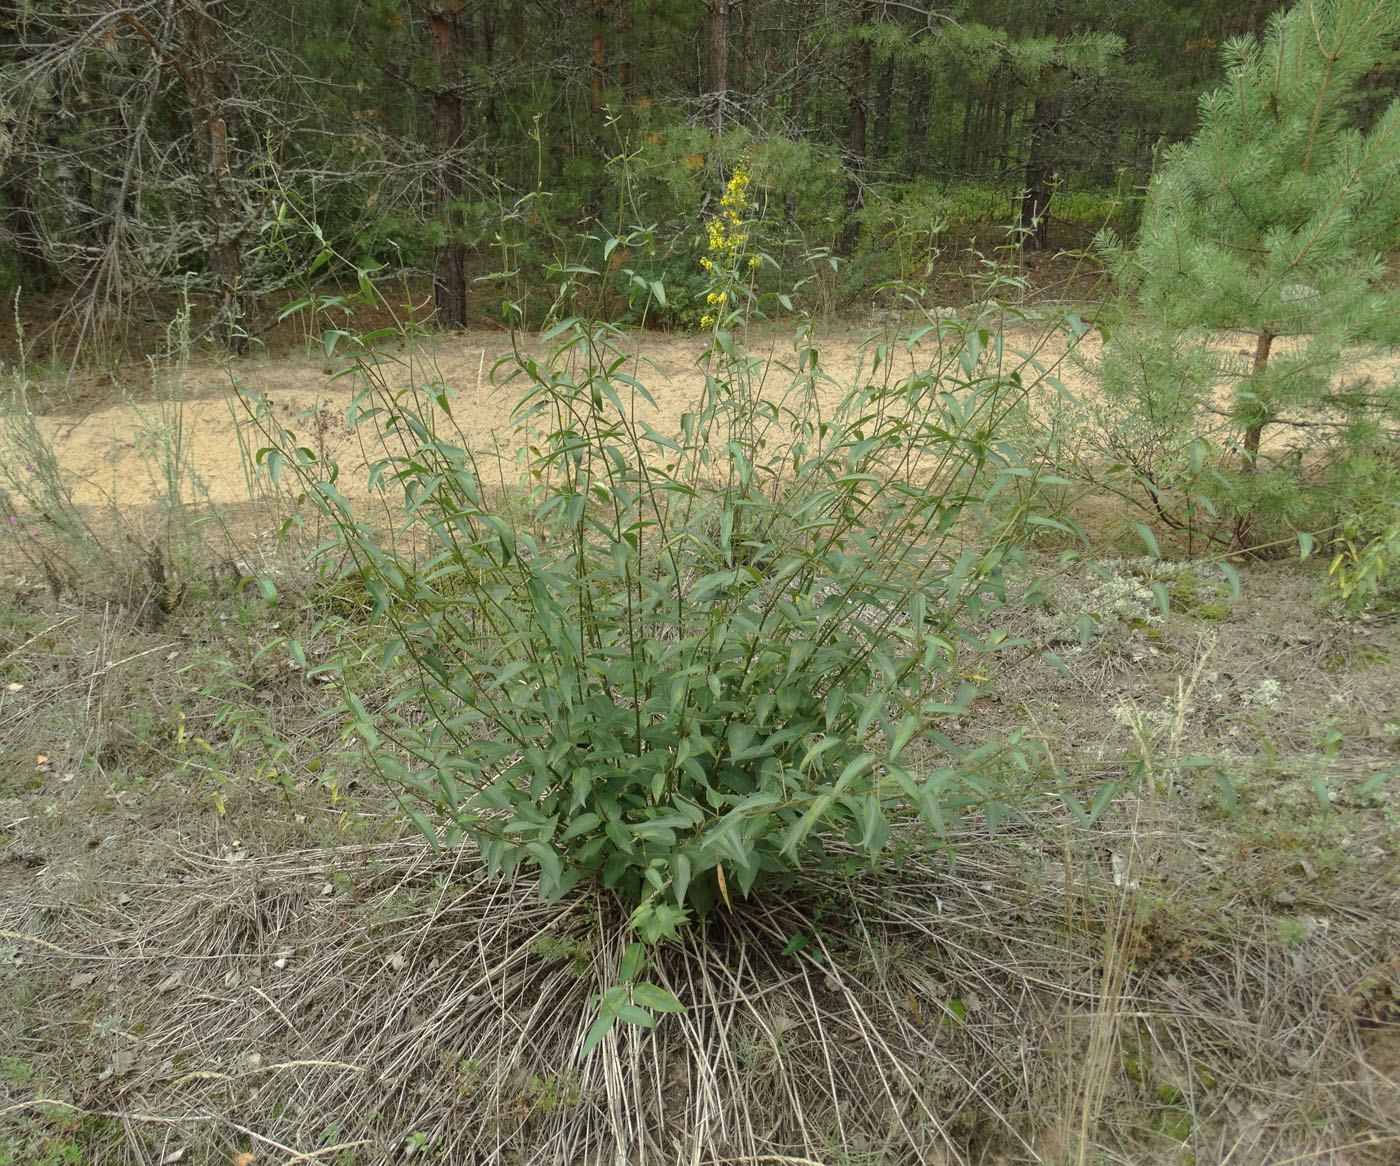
(696, 660)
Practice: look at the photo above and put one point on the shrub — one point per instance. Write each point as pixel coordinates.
(1363, 568)
(699, 658)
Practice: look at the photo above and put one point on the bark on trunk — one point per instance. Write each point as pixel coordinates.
(920, 84)
(483, 49)
(798, 100)
(1245, 523)
(450, 266)
(24, 232)
(749, 45)
(600, 60)
(717, 65)
(1043, 155)
(1252, 435)
(624, 48)
(965, 142)
(856, 144)
(1008, 110)
(225, 251)
(34, 274)
(884, 98)
(1040, 165)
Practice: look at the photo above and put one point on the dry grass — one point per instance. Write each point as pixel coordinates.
(194, 965)
(377, 1001)
(1165, 986)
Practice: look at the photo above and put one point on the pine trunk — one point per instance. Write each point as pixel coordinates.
(624, 47)
(1007, 119)
(884, 98)
(920, 83)
(1040, 165)
(798, 99)
(856, 145)
(450, 265)
(18, 184)
(965, 143)
(1249, 454)
(225, 247)
(34, 275)
(597, 78)
(717, 62)
(483, 48)
(749, 45)
(1254, 433)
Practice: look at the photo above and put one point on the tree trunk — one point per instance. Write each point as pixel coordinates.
(1007, 118)
(484, 50)
(24, 232)
(965, 145)
(450, 266)
(1040, 165)
(991, 120)
(856, 145)
(624, 47)
(16, 189)
(1042, 158)
(1253, 434)
(920, 84)
(717, 63)
(600, 60)
(225, 250)
(1245, 523)
(749, 44)
(798, 98)
(884, 98)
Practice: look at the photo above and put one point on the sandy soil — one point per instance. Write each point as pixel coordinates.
(108, 456)
(107, 450)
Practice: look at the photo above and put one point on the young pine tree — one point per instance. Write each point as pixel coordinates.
(1273, 222)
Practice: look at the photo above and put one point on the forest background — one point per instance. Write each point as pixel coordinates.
(151, 148)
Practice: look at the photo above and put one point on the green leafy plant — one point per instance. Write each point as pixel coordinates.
(1362, 563)
(705, 658)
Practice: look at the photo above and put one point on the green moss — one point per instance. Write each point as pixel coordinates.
(550, 948)
(1184, 590)
(15, 1071)
(1358, 659)
(1174, 1122)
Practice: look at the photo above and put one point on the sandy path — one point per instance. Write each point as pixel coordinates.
(111, 452)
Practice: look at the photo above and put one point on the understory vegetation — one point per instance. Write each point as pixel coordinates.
(970, 742)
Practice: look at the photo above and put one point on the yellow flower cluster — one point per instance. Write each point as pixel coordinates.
(726, 230)
(727, 237)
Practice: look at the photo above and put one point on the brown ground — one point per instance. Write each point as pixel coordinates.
(101, 447)
(101, 444)
(207, 953)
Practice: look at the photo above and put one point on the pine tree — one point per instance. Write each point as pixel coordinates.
(1271, 221)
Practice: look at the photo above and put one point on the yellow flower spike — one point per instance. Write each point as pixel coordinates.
(725, 233)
